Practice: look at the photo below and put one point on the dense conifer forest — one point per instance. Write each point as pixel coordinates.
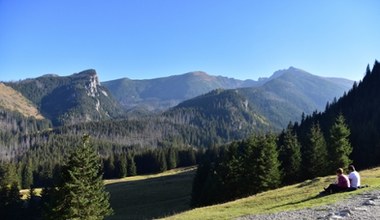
(322, 142)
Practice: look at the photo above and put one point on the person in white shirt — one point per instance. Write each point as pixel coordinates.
(354, 177)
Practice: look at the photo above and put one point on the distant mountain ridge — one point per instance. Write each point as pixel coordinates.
(281, 98)
(162, 93)
(70, 99)
(268, 102)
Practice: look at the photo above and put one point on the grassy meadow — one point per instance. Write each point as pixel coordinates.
(292, 197)
(167, 196)
(151, 196)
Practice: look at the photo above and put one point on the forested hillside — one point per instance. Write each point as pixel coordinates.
(360, 107)
(284, 97)
(347, 132)
(70, 100)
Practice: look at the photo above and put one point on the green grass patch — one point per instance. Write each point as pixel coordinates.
(151, 196)
(294, 197)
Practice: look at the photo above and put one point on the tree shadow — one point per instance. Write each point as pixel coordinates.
(151, 198)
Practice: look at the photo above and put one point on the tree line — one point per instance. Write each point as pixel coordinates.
(78, 192)
(264, 162)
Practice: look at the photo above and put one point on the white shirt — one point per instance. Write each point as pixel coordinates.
(354, 178)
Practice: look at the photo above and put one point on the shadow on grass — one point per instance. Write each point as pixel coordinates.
(300, 201)
(151, 198)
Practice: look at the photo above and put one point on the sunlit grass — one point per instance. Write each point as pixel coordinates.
(292, 197)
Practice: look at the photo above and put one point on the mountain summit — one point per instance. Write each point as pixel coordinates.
(70, 99)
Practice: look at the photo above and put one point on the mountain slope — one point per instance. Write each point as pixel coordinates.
(14, 101)
(283, 98)
(71, 99)
(163, 93)
(294, 197)
(360, 107)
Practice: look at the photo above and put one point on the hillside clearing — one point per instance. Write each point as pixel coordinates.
(294, 197)
(151, 196)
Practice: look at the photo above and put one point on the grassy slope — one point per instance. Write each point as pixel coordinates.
(160, 195)
(151, 196)
(292, 197)
(12, 100)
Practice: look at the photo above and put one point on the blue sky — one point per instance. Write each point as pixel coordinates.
(141, 39)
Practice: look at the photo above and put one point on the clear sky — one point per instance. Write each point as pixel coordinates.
(142, 39)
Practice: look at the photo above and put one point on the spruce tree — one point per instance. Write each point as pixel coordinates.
(27, 175)
(290, 156)
(161, 160)
(10, 202)
(315, 155)
(267, 167)
(132, 170)
(83, 191)
(121, 166)
(171, 158)
(340, 147)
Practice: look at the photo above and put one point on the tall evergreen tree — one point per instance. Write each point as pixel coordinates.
(172, 158)
(109, 167)
(27, 175)
(267, 167)
(160, 154)
(315, 155)
(132, 171)
(290, 156)
(8, 174)
(10, 202)
(121, 166)
(83, 191)
(340, 147)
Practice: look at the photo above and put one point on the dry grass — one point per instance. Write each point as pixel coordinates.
(12, 100)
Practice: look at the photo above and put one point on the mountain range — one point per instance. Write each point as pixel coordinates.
(267, 102)
(162, 93)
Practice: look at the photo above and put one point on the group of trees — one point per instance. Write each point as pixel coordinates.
(360, 106)
(122, 164)
(265, 162)
(41, 170)
(78, 194)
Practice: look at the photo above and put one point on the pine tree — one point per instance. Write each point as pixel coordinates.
(10, 202)
(315, 156)
(27, 175)
(121, 166)
(290, 156)
(109, 167)
(161, 160)
(267, 167)
(83, 191)
(132, 171)
(8, 174)
(340, 147)
(172, 158)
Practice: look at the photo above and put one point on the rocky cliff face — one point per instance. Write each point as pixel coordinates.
(70, 99)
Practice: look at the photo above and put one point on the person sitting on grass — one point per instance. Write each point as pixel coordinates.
(354, 178)
(342, 184)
